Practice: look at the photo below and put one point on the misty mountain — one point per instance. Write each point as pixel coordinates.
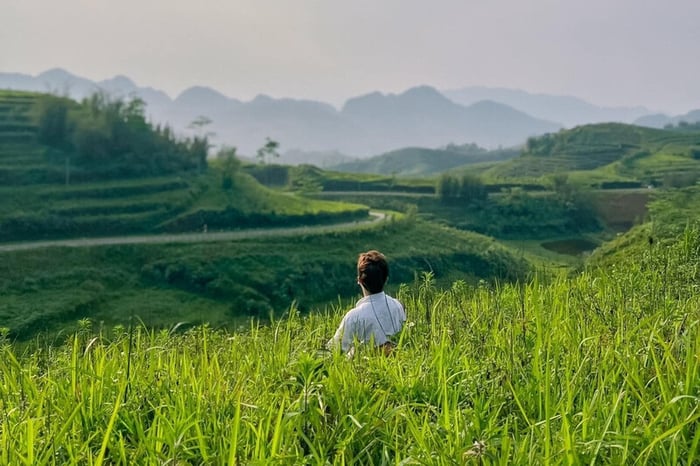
(570, 111)
(54, 81)
(423, 117)
(659, 120)
(366, 125)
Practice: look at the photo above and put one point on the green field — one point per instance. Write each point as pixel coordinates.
(219, 282)
(598, 369)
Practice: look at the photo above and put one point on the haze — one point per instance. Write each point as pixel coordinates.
(621, 53)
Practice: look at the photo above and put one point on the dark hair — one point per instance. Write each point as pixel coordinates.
(372, 271)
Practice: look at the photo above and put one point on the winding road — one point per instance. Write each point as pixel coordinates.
(376, 217)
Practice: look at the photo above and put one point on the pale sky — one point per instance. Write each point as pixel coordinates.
(608, 52)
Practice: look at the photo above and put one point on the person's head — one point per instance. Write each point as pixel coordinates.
(372, 271)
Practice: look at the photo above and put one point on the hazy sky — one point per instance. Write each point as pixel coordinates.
(609, 52)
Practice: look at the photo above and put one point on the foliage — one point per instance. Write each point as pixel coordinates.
(601, 153)
(465, 190)
(229, 166)
(268, 151)
(306, 179)
(671, 214)
(112, 139)
(200, 282)
(597, 369)
(52, 121)
(52, 191)
(517, 214)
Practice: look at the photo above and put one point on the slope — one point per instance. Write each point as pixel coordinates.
(65, 175)
(417, 161)
(611, 152)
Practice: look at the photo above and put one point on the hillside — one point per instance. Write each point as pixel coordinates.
(88, 180)
(416, 161)
(609, 153)
(600, 368)
(227, 282)
(673, 216)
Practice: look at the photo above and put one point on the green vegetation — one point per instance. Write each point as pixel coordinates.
(212, 352)
(98, 168)
(286, 177)
(465, 190)
(598, 369)
(671, 213)
(609, 155)
(219, 282)
(107, 139)
(513, 214)
(416, 161)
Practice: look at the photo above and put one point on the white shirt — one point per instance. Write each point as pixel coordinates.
(376, 317)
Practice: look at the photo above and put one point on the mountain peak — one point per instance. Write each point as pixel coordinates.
(418, 98)
(201, 93)
(120, 82)
(423, 92)
(261, 99)
(56, 73)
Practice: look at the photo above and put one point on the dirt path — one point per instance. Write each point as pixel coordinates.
(376, 217)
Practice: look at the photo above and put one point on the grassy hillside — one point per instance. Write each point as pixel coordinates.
(672, 214)
(51, 189)
(224, 281)
(598, 369)
(609, 153)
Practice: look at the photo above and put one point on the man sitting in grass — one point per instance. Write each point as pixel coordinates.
(376, 317)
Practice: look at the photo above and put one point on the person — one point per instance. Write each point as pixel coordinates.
(377, 317)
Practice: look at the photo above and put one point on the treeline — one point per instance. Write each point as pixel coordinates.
(103, 138)
(461, 190)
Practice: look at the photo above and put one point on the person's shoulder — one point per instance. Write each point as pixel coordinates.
(394, 300)
(361, 312)
(354, 312)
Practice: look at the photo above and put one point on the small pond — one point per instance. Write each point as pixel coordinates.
(572, 247)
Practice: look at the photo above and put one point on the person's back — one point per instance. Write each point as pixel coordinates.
(377, 317)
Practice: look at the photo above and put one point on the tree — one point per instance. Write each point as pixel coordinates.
(268, 150)
(52, 127)
(229, 167)
(199, 124)
(467, 189)
(101, 138)
(471, 188)
(562, 187)
(447, 188)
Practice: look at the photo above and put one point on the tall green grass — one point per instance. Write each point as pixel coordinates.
(602, 368)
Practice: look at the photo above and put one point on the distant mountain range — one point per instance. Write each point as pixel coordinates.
(659, 120)
(569, 111)
(366, 125)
